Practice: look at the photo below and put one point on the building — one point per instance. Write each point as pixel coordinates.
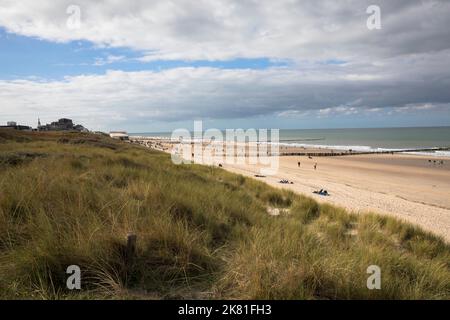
(62, 124)
(15, 126)
(119, 135)
(80, 128)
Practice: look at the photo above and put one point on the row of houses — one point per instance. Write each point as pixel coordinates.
(63, 124)
(15, 126)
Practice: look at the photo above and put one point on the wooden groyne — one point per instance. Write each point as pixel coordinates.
(353, 153)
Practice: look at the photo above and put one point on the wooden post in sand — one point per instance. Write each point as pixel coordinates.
(131, 247)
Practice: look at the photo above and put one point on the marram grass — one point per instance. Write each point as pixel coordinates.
(70, 198)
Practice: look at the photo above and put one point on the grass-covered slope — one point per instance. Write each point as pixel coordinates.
(201, 232)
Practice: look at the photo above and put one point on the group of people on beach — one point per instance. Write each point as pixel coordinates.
(439, 162)
(315, 165)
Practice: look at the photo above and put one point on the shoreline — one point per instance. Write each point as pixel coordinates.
(301, 149)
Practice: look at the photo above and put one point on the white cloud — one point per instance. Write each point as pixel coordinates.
(418, 107)
(108, 60)
(340, 110)
(227, 29)
(361, 77)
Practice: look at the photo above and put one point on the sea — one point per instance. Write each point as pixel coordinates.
(361, 139)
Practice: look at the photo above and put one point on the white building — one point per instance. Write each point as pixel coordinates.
(119, 135)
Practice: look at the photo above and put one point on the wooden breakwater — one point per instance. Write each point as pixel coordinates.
(353, 153)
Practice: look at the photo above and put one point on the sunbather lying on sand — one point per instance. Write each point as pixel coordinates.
(284, 181)
(322, 192)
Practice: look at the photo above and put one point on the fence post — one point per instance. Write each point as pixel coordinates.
(131, 247)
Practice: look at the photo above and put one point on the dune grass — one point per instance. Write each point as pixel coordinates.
(68, 198)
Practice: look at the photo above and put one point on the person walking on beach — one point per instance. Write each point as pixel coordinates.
(298, 164)
(315, 166)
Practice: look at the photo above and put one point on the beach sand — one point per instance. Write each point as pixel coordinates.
(407, 187)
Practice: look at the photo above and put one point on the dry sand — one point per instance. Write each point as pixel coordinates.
(407, 187)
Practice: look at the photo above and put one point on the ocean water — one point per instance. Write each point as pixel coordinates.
(370, 139)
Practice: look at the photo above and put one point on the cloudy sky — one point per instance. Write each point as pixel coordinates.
(158, 65)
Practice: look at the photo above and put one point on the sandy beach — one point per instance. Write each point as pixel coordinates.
(413, 188)
(407, 187)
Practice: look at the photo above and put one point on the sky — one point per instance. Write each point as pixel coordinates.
(153, 66)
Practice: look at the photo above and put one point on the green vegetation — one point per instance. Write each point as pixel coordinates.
(71, 198)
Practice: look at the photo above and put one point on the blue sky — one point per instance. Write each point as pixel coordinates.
(22, 57)
(160, 66)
